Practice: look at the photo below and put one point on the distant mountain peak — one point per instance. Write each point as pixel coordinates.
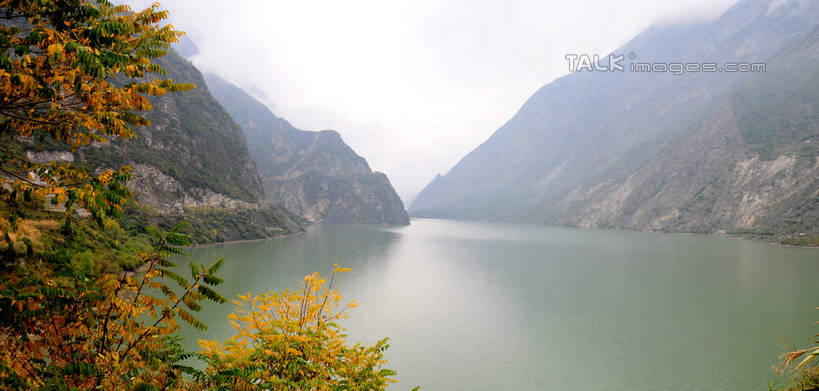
(313, 174)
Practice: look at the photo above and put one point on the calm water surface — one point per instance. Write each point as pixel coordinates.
(484, 306)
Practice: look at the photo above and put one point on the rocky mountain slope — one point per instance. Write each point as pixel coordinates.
(752, 163)
(313, 174)
(698, 152)
(192, 154)
(192, 160)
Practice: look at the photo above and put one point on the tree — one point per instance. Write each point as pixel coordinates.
(63, 330)
(292, 341)
(74, 72)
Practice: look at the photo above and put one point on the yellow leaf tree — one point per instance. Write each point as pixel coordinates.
(292, 341)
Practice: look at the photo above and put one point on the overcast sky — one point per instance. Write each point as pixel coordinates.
(411, 85)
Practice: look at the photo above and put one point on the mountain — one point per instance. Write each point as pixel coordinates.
(192, 161)
(696, 152)
(313, 174)
(192, 154)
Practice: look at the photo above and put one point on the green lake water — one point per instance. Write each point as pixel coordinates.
(486, 306)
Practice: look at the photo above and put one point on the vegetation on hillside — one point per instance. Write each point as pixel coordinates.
(205, 150)
(214, 225)
(806, 240)
(777, 113)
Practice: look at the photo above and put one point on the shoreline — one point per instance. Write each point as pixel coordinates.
(237, 241)
(303, 231)
(729, 235)
(750, 237)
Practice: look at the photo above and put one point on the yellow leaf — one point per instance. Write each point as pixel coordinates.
(54, 48)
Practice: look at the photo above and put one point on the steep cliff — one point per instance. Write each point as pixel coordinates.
(192, 161)
(697, 152)
(313, 174)
(192, 154)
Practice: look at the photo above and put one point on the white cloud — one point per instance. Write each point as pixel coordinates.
(411, 85)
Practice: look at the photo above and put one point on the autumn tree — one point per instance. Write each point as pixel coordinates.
(292, 341)
(63, 330)
(75, 72)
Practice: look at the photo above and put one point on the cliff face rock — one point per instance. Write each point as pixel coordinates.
(313, 174)
(165, 193)
(193, 154)
(699, 152)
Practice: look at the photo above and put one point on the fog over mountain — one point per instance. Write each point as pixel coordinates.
(410, 85)
(313, 174)
(698, 152)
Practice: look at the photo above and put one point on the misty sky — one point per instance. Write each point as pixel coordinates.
(411, 85)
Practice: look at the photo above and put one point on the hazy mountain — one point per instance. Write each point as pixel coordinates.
(313, 174)
(692, 152)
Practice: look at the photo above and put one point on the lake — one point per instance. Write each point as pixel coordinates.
(487, 306)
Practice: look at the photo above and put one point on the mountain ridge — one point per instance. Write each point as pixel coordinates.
(586, 129)
(314, 174)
